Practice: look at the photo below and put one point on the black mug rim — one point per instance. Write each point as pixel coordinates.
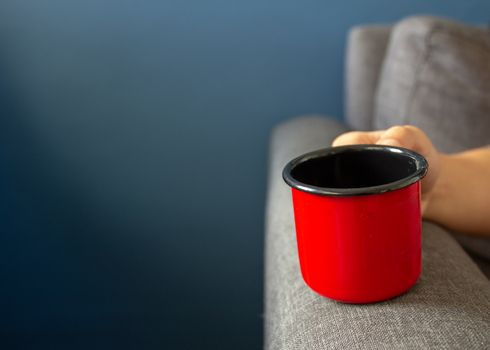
(420, 171)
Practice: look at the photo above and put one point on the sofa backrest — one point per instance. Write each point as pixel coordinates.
(366, 48)
(436, 76)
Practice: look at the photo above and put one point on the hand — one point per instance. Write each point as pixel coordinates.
(406, 136)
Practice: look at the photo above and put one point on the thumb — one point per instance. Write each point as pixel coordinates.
(389, 142)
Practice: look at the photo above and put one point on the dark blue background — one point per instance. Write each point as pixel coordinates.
(133, 152)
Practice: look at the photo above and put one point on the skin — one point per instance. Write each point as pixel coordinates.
(456, 189)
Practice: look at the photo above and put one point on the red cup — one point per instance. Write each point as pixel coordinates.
(358, 220)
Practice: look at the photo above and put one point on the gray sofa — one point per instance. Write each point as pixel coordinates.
(429, 72)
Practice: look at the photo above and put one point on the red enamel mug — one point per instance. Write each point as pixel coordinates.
(358, 220)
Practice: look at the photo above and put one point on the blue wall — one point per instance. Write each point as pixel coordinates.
(133, 145)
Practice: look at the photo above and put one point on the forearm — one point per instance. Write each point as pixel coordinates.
(460, 199)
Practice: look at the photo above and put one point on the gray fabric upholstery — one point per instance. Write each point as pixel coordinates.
(436, 75)
(479, 250)
(366, 46)
(449, 308)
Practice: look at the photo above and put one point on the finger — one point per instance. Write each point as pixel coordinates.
(406, 136)
(415, 139)
(358, 137)
(389, 142)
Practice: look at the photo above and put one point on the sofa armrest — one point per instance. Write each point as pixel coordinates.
(449, 307)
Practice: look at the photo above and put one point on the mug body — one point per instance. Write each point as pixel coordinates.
(358, 220)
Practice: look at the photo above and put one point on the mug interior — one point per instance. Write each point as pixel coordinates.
(350, 168)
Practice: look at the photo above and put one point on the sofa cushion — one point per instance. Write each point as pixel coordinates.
(436, 75)
(366, 49)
